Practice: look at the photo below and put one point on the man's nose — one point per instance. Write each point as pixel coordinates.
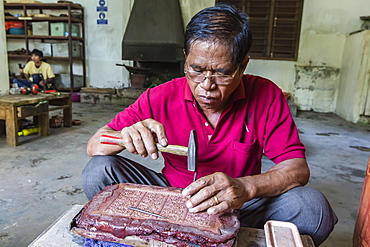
(208, 84)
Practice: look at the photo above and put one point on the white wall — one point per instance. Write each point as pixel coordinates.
(355, 83)
(325, 26)
(4, 82)
(103, 46)
(190, 7)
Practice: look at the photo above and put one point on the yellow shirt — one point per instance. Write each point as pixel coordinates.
(44, 69)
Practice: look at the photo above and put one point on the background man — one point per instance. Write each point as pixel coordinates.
(36, 71)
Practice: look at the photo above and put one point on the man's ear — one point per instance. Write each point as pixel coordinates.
(245, 63)
(183, 50)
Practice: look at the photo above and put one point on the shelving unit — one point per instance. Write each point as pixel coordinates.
(32, 12)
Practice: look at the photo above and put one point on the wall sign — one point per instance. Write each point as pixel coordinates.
(102, 11)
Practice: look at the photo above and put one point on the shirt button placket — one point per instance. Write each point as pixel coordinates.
(208, 130)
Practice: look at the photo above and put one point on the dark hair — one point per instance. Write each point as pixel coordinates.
(37, 53)
(223, 24)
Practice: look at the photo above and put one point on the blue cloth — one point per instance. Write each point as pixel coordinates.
(23, 83)
(26, 83)
(96, 243)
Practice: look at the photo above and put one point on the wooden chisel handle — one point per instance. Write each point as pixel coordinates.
(173, 149)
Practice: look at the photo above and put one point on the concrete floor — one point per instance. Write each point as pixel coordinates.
(40, 179)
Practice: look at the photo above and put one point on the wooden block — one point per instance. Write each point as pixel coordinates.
(130, 93)
(58, 235)
(105, 99)
(98, 90)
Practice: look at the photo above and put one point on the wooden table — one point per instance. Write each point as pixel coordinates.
(19, 106)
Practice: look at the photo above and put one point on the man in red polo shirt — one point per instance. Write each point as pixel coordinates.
(237, 118)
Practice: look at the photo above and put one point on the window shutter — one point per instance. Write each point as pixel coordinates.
(286, 28)
(261, 22)
(275, 26)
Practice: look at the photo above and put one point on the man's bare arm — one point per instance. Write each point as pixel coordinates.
(94, 147)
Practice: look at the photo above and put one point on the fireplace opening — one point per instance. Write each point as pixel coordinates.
(154, 40)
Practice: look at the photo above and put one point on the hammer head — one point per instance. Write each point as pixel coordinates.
(193, 152)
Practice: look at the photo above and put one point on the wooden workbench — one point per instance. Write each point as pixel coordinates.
(19, 106)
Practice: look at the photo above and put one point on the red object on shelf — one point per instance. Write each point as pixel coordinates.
(13, 24)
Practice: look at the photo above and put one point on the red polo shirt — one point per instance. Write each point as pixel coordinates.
(256, 121)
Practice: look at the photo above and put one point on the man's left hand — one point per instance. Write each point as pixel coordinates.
(216, 193)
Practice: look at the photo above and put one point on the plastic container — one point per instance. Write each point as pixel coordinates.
(61, 29)
(76, 97)
(40, 28)
(61, 49)
(16, 30)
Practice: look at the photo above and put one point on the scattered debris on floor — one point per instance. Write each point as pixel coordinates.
(76, 122)
(56, 121)
(64, 177)
(326, 134)
(365, 149)
(4, 235)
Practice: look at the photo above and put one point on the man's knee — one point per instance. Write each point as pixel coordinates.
(96, 174)
(305, 198)
(311, 212)
(98, 165)
(308, 200)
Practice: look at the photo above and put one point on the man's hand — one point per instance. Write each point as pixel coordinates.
(232, 193)
(141, 138)
(216, 193)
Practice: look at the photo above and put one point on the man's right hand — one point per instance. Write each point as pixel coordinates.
(139, 138)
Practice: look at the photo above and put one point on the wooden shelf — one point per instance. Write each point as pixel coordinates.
(34, 12)
(51, 19)
(53, 58)
(16, 36)
(59, 6)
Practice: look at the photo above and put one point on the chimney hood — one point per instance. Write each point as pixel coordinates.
(155, 32)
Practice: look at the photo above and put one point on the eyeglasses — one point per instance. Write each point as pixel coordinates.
(199, 77)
